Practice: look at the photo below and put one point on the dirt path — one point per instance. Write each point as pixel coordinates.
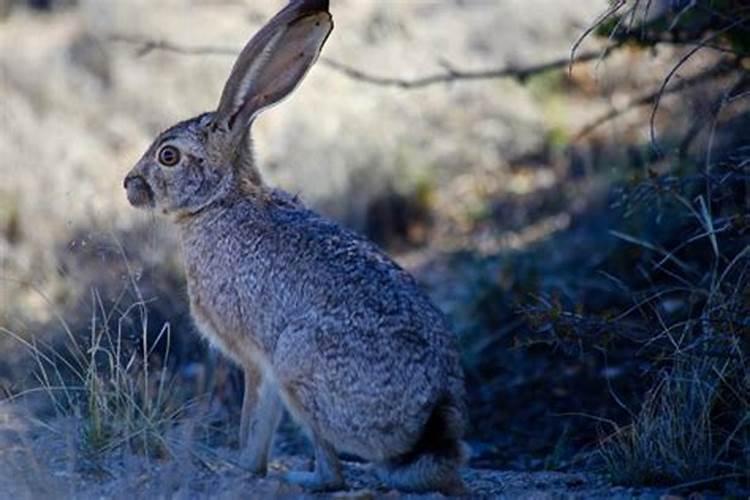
(41, 460)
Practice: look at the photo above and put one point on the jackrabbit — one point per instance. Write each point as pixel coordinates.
(322, 322)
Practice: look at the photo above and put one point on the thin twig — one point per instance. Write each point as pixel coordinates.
(597, 22)
(651, 98)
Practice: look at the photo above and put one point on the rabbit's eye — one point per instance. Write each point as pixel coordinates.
(169, 156)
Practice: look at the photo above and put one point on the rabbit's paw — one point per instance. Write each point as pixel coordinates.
(258, 468)
(314, 481)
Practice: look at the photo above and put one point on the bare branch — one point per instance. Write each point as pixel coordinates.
(452, 74)
(516, 73)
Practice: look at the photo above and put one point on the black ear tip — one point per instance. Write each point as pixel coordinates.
(319, 5)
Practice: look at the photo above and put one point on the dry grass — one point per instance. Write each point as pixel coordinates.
(117, 380)
(678, 437)
(693, 428)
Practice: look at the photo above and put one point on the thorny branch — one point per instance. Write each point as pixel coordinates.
(452, 74)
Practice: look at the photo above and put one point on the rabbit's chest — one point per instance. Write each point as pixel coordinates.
(217, 311)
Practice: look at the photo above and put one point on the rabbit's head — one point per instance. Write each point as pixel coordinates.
(201, 160)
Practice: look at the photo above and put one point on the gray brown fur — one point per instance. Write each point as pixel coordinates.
(323, 322)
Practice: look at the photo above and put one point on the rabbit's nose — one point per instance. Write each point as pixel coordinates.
(130, 178)
(139, 192)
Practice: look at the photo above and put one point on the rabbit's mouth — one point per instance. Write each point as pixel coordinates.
(139, 192)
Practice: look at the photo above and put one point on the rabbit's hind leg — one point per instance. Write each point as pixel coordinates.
(327, 474)
(297, 362)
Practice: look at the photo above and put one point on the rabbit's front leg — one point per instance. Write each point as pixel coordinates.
(261, 411)
(249, 402)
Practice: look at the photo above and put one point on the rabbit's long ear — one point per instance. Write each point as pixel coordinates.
(274, 62)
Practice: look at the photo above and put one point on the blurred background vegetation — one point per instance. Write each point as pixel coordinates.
(570, 181)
